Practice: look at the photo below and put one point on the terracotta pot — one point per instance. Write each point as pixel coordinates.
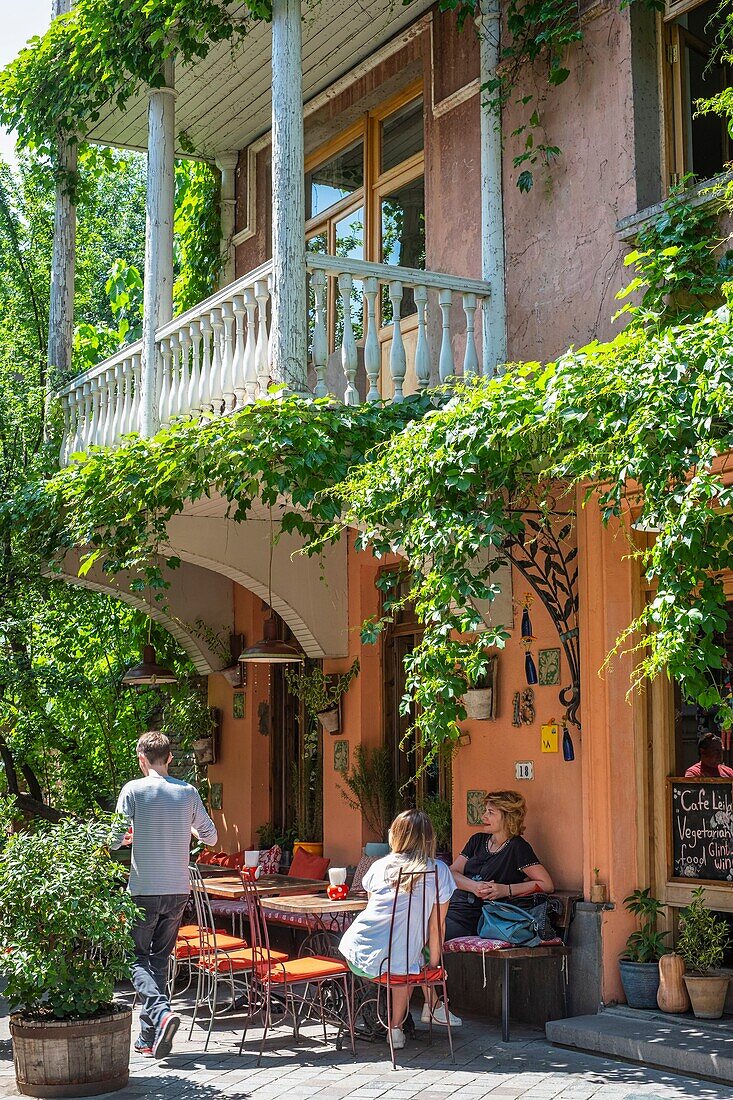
(330, 719)
(707, 993)
(479, 703)
(672, 995)
(71, 1057)
(309, 846)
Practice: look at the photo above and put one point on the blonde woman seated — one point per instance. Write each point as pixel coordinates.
(365, 944)
(497, 864)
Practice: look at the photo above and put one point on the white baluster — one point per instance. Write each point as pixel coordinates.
(65, 438)
(117, 396)
(165, 382)
(216, 362)
(349, 358)
(470, 359)
(93, 418)
(262, 349)
(103, 430)
(372, 354)
(238, 385)
(137, 393)
(227, 364)
(397, 357)
(184, 337)
(174, 397)
(250, 356)
(319, 283)
(125, 426)
(446, 366)
(84, 413)
(422, 351)
(194, 386)
(205, 387)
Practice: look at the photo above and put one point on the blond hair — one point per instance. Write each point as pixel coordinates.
(513, 808)
(412, 840)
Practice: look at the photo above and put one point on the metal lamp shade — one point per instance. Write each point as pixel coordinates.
(270, 650)
(149, 672)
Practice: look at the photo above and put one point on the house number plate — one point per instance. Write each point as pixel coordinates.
(524, 769)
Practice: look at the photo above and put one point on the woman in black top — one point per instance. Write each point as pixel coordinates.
(497, 864)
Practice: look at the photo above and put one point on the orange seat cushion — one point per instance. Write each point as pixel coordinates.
(310, 968)
(186, 949)
(243, 959)
(305, 865)
(430, 974)
(188, 932)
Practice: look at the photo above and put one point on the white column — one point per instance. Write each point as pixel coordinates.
(158, 302)
(288, 335)
(227, 165)
(493, 310)
(61, 305)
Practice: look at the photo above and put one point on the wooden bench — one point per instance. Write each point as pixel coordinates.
(562, 907)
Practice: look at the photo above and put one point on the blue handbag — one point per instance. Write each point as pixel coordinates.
(501, 921)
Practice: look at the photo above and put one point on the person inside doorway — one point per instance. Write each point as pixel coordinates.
(710, 765)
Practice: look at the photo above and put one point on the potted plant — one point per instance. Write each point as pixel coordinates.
(371, 789)
(321, 693)
(268, 836)
(639, 965)
(598, 895)
(308, 798)
(191, 723)
(440, 812)
(65, 940)
(702, 943)
(480, 696)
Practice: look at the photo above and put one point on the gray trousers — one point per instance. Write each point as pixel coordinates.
(155, 938)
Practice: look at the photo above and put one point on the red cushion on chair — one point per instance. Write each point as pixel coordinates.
(308, 969)
(305, 865)
(242, 959)
(430, 974)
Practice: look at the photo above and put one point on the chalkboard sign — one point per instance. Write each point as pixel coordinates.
(701, 830)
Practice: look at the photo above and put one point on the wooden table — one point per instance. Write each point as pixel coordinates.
(230, 886)
(322, 908)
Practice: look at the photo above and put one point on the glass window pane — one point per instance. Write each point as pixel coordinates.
(340, 176)
(402, 135)
(403, 237)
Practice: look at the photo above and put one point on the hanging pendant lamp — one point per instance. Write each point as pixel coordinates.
(270, 650)
(149, 672)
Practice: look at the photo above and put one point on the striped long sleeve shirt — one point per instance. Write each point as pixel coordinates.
(163, 812)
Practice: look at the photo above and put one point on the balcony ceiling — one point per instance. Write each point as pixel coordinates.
(223, 102)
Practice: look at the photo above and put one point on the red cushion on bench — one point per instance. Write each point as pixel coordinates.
(477, 945)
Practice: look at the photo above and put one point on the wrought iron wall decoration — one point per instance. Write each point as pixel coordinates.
(547, 564)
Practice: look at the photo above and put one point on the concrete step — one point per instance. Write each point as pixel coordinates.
(703, 1048)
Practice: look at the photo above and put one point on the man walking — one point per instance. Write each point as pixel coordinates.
(164, 812)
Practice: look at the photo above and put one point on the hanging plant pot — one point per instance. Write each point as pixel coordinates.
(330, 719)
(203, 750)
(479, 703)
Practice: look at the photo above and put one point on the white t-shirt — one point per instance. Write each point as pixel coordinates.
(365, 943)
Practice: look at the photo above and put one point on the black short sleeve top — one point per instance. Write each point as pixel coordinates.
(505, 866)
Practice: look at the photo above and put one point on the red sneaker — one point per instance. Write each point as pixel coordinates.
(163, 1044)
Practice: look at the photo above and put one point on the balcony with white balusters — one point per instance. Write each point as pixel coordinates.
(214, 359)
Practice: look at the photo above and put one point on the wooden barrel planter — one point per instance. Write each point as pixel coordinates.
(72, 1057)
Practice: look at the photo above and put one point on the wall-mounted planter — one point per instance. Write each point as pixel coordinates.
(330, 719)
(203, 750)
(479, 703)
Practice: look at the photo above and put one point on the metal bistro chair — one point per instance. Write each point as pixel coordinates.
(430, 977)
(219, 956)
(292, 980)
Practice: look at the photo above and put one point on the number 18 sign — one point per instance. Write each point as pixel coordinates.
(524, 769)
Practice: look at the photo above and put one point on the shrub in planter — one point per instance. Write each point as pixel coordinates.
(440, 812)
(321, 693)
(639, 964)
(702, 943)
(65, 940)
(371, 788)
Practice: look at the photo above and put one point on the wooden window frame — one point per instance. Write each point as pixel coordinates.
(674, 38)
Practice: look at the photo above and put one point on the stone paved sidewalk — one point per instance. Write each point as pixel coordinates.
(527, 1067)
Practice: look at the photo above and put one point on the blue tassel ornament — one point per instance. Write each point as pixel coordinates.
(568, 751)
(530, 669)
(527, 628)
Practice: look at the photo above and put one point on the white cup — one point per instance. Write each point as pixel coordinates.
(251, 858)
(337, 876)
